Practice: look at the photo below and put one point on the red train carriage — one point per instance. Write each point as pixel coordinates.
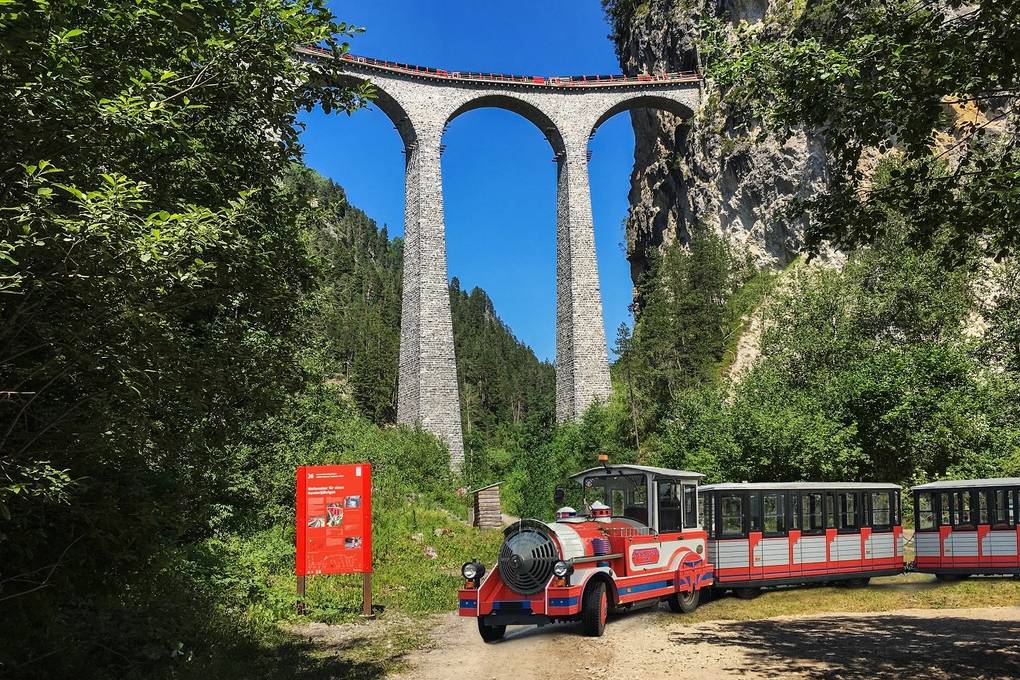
(967, 527)
(638, 543)
(785, 533)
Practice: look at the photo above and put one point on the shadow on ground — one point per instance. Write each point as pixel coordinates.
(877, 646)
(298, 660)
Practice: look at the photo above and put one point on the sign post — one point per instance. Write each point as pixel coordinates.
(334, 524)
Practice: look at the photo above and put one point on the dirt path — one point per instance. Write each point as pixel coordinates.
(957, 643)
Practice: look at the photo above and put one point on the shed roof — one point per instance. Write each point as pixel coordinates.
(483, 488)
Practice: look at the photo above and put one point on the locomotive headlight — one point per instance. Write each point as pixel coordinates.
(472, 570)
(563, 569)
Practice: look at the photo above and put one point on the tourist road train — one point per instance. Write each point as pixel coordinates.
(649, 534)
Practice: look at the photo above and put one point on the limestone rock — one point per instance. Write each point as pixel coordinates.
(718, 170)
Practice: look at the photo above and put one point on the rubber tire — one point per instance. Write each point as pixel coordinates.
(594, 608)
(747, 593)
(684, 603)
(490, 633)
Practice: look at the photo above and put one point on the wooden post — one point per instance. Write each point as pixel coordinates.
(366, 596)
(301, 608)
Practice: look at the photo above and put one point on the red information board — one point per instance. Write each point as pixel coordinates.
(334, 519)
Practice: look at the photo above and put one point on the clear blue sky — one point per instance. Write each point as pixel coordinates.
(498, 175)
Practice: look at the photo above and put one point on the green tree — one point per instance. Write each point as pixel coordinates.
(679, 334)
(151, 261)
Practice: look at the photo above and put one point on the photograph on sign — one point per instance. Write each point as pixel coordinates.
(335, 514)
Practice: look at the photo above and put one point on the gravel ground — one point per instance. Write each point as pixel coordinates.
(953, 643)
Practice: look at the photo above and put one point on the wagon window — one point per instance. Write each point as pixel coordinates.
(690, 506)
(731, 515)
(982, 509)
(814, 516)
(795, 511)
(847, 511)
(1003, 506)
(881, 510)
(962, 507)
(925, 512)
(947, 508)
(705, 512)
(774, 513)
(830, 510)
(754, 500)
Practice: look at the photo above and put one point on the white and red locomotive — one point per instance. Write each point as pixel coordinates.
(640, 542)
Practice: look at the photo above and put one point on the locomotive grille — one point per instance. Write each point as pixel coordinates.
(526, 560)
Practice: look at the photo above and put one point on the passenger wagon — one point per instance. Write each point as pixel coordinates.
(966, 527)
(786, 533)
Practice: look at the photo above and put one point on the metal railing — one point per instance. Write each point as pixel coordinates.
(541, 81)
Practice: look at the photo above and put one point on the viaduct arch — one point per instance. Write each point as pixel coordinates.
(421, 102)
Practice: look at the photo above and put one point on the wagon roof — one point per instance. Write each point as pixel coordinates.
(960, 483)
(642, 469)
(795, 486)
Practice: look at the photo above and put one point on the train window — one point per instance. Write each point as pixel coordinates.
(925, 512)
(754, 501)
(795, 511)
(690, 506)
(961, 506)
(982, 508)
(1002, 507)
(814, 517)
(618, 502)
(731, 515)
(881, 509)
(639, 496)
(669, 507)
(774, 513)
(946, 508)
(830, 510)
(848, 511)
(705, 512)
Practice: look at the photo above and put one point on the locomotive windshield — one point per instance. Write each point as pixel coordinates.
(626, 495)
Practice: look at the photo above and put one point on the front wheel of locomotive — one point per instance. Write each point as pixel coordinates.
(490, 633)
(594, 609)
(684, 603)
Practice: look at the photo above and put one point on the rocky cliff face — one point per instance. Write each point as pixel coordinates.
(715, 170)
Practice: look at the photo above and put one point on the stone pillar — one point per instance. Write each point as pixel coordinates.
(582, 362)
(427, 384)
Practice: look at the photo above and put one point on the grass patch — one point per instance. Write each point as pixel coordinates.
(418, 549)
(909, 591)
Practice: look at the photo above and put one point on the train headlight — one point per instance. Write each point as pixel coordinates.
(472, 570)
(563, 569)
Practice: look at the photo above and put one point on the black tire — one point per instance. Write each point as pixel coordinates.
(858, 582)
(490, 633)
(594, 609)
(747, 593)
(684, 603)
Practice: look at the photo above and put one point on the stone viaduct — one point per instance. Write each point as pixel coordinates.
(421, 102)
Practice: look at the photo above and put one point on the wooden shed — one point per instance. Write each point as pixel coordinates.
(487, 512)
